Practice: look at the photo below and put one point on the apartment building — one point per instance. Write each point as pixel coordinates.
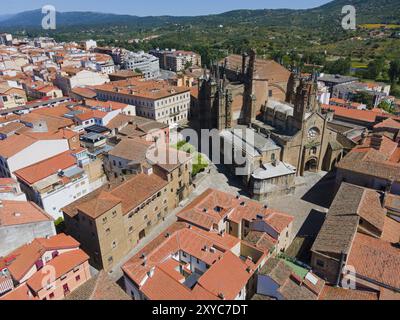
(156, 100)
(12, 98)
(148, 64)
(70, 78)
(20, 151)
(176, 60)
(29, 267)
(6, 39)
(60, 180)
(112, 220)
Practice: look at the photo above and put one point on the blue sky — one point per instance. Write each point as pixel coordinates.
(158, 7)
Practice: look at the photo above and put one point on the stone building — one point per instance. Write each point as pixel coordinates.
(359, 234)
(111, 221)
(281, 106)
(375, 164)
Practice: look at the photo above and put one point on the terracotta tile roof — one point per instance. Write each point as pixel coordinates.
(21, 212)
(57, 111)
(14, 144)
(220, 205)
(112, 105)
(341, 224)
(386, 294)
(23, 258)
(218, 281)
(91, 114)
(383, 163)
(191, 241)
(391, 230)
(388, 123)
(84, 92)
(120, 121)
(11, 128)
(167, 158)
(392, 202)
(142, 186)
(375, 259)
(50, 116)
(265, 69)
(20, 293)
(46, 168)
(97, 203)
(331, 293)
(291, 290)
(261, 240)
(100, 287)
(354, 114)
(150, 89)
(131, 149)
(62, 264)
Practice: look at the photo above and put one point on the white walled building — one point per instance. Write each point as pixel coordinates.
(20, 151)
(148, 64)
(69, 79)
(58, 181)
(155, 100)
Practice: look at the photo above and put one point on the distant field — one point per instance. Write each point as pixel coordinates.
(359, 65)
(378, 25)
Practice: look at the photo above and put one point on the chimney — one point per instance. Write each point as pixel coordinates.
(364, 136)
(376, 141)
(151, 272)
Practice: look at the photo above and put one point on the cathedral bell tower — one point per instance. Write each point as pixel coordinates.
(306, 100)
(249, 98)
(215, 101)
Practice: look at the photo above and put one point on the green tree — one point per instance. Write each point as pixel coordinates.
(365, 98)
(340, 66)
(394, 71)
(375, 68)
(387, 106)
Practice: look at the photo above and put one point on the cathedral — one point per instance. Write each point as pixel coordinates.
(292, 135)
(280, 105)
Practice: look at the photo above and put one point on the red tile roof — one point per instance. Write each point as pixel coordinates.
(213, 206)
(20, 293)
(375, 259)
(21, 212)
(331, 293)
(62, 264)
(46, 168)
(25, 257)
(354, 114)
(218, 281)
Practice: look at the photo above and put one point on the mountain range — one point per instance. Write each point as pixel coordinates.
(368, 11)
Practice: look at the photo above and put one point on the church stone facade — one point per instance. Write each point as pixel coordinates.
(281, 106)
